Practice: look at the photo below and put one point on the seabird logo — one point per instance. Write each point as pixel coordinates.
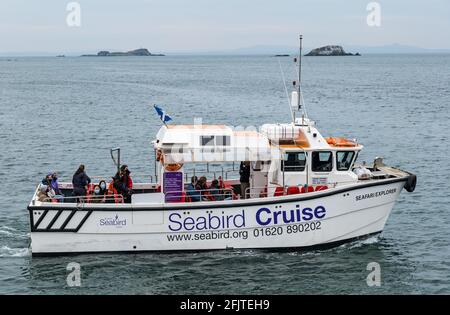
(113, 221)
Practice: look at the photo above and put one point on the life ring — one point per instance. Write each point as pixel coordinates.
(410, 184)
(340, 142)
(159, 156)
(173, 167)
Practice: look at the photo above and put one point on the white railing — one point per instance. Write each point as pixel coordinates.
(218, 194)
(115, 198)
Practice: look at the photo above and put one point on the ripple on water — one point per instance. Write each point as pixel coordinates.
(386, 108)
(5, 251)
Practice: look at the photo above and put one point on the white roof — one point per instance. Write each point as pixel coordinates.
(213, 143)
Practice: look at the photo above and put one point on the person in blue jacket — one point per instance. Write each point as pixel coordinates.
(191, 191)
(51, 181)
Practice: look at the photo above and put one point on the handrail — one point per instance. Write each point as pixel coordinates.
(248, 191)
(264, 192)
(117, 198)
(217, 192)
(223, 172)
(108, 178)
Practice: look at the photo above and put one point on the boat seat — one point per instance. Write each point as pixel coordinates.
(293, 190)
(321, 187)
(279, 191)
(304, 190)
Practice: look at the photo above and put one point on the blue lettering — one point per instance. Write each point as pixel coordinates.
(189, 224)
(258, 216)
(320, 212)
(201, 224)
(241, 217)
(211, 217)
(291, 219)
(307, 214)
(170, 219)
(289, 216)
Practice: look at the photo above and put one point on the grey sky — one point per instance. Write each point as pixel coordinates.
(195, 25)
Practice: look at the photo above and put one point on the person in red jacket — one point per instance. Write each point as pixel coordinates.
(123, 183)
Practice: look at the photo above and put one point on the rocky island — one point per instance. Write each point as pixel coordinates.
(136, 52)
(331, 50)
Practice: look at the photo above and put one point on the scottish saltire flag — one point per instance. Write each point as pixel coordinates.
(162, 114)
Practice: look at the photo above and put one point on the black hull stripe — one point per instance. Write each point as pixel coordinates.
(269, 249)
(49, 226)
(257, 202)
(86, 216)
(40, 218)
(63, 226)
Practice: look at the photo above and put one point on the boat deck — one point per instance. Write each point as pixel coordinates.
(230, 190)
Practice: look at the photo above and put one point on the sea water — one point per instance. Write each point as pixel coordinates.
(57, 113)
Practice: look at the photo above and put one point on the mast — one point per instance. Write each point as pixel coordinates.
(299, 84)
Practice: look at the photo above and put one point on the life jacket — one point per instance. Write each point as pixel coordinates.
(89, 192)
(112, 191)
(129, 183)
(221, 183)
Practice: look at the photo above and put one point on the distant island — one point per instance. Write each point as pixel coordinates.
(136, 52)
(282, 55)
(330, 50)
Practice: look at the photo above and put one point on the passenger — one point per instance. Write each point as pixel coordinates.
(191, 192)
(47, 181)
(128, 183)
(43, 193)
(51, 180)
(123, 184)
(80, 180)
(54, 184)
(244, 172)
(215, 191)
(202, 188)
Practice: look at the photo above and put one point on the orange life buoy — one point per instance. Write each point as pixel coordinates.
(159, 156)
(173, 167)
(340, 142)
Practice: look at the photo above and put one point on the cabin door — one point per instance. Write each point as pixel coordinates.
(258, 179)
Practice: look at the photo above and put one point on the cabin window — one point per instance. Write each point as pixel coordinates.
(294, 162)
(215, 140)
(322, 161)
(223, 140)
(344, 160)
(207, 140)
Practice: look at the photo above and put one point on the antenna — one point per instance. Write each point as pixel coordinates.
(298, 98)
(299, 102)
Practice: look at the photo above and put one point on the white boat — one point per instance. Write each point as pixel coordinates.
(305, 191)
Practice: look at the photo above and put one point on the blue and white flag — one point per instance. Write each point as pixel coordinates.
(162, 114)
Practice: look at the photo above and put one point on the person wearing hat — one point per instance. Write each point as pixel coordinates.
(43, 194)
(47, 180)
(54, 184)
(51, 182)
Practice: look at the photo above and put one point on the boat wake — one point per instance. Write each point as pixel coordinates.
(363, 242)
(12, 232)
(6, 251)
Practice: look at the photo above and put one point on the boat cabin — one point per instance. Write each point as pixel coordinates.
(284, 159)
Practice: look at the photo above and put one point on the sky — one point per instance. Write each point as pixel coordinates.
(214, 25)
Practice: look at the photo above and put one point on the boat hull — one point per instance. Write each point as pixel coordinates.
(298, 221)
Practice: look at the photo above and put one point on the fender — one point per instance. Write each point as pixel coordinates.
(410, 184)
